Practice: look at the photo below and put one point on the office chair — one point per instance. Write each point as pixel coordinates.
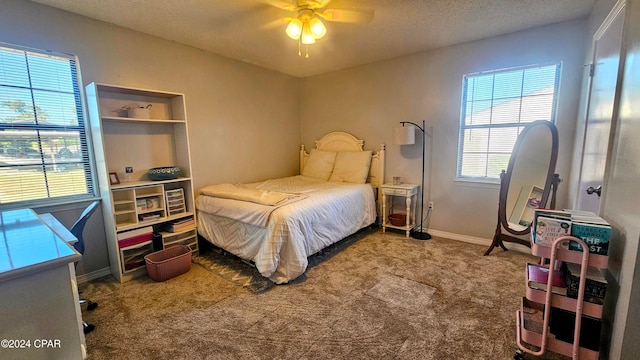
(77, 229)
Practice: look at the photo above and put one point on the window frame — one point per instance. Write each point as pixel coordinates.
(463, 126)
(84, 130)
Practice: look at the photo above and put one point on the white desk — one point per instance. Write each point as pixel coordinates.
(58, 228)
(39, 304)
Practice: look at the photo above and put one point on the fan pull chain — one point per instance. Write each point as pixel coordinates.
(306, 47)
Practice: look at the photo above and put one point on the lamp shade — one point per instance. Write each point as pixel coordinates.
(404, 135)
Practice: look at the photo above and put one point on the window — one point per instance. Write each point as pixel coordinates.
(496, 106)
(43, 143)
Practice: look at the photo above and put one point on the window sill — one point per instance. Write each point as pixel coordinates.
(478, 182)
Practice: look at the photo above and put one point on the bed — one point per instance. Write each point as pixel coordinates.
(278, 223)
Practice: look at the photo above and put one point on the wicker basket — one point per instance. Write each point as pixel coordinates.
(168, 263)
(398, 219)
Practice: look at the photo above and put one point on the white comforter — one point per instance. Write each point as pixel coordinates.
(279, 246)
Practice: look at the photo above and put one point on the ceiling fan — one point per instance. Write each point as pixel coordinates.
(306, 25)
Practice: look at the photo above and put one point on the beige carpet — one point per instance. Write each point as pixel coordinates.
(232, 269)
(382, 297)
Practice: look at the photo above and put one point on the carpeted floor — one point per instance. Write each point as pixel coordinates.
(382, 296)
(233, 269)
(244, 274)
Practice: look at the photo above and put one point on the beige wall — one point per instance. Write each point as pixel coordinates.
(234, 109)
(370, 100)
(243, 120)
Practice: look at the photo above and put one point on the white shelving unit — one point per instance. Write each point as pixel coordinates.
(141, 143)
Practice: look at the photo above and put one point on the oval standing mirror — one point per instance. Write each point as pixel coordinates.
(527, 182)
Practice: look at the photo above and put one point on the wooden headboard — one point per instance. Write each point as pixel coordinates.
(342, 141)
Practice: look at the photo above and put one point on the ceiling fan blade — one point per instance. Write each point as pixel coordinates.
(316, 4)
(279, 23)
(295, 5)
(347, 15)
(284, 5)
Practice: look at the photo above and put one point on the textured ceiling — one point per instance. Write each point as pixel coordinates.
(253, 30)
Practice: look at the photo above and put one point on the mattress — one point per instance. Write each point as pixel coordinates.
(328, 212)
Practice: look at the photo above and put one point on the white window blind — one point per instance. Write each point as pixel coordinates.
(496, 106)
(43, 143)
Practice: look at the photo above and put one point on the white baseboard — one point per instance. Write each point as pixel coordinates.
(459, 237)
(478, 240)
(83, 278)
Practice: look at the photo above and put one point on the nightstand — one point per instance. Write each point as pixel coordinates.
(407, 191)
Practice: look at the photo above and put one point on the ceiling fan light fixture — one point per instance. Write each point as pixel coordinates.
(307, 35)
(294, 29)
(308, 25)
(317, 28)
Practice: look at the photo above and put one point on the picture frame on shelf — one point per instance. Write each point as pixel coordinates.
(141, 205)
(113, 178)
(148, 204)
(152, 203)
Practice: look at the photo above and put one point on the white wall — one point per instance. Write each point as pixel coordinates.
(621, 200)
(370, 100)
(243, 120)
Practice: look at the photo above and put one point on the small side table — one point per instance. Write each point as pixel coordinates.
(409, 192)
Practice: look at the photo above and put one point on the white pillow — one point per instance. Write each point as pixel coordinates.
(351, 167)
(320, 164)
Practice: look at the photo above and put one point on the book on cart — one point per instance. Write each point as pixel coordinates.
(538, 275)
(595, 287)
(590, 228)
(562, 326)
(594, 233)
(556, 214)
(547, 229)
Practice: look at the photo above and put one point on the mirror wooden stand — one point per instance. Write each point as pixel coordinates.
(527, 183)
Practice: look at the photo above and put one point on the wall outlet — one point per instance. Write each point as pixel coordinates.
(430, 205)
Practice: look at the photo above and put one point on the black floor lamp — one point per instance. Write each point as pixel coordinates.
(405, 135)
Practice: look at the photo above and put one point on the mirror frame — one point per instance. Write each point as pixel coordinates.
(505, 179)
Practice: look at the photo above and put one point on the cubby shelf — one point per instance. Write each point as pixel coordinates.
(140, 143)
(127, 119)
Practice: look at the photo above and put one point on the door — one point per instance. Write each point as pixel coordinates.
(621, 206)
(602, 102)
